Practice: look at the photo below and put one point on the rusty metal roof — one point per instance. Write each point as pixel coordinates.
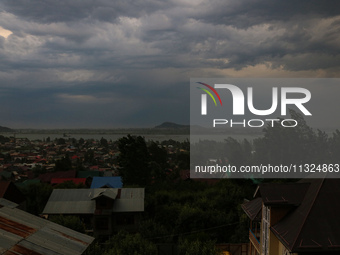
(109, 193)
(24, 233)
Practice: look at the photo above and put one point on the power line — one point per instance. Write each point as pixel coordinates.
(195, 231)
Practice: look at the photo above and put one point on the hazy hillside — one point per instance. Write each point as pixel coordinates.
(171, 125)
(5, 129)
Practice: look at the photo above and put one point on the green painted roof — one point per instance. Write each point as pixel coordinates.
(85, 174)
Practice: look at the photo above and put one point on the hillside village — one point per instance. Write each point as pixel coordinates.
(135, 197)
(24, 161)
(38, 175)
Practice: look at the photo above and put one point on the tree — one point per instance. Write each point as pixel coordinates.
(63, 164)
(334, 144)
(158, 154)
(38, 169)
(81, 141)
(285, 145)
(60, 141)
(198, 247)
(134, 160)
(130, 244)
(70, 185)
(197, 211)
(36, 197)
(89, 157)
(234, 151)
(69, 221)
(103, 142)
(154, 231)
(158, 161)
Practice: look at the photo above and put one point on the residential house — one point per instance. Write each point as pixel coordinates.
(104, 211)
(295, 218)
(9, 191)
(47, 177)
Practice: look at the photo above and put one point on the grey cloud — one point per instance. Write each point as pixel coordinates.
(245, 13)
(49, 11)
(162, 37)
(81, 57)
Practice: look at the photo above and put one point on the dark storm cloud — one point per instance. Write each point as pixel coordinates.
(49, 11)
(245, 13)
(164, 33)
(240, 13)
(129, 61)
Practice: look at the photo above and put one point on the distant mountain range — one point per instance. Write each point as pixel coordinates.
(171, 125)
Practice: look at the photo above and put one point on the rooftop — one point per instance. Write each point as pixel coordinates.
(23, 233)
(82, 201)
(108, 182)
(313, 223)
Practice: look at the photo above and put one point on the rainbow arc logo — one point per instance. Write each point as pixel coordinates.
(204, 97)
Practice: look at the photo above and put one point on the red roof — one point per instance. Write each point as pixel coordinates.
(62, 180)
(39, 160)
(3, 187)
(61, 174)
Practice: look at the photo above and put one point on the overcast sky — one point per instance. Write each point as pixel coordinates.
(127, 63)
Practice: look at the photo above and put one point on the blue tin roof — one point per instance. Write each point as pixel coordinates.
(109, 182)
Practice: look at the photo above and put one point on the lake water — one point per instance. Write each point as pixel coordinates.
(114, 137)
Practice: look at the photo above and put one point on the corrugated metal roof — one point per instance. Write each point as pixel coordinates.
(80, 201)
(10, 204)
(73, 195)
(136, 193)
(23, 233)
(110, 193)
(129, 205)
(69, 207)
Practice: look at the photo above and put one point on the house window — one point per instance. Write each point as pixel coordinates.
(265, 229)
(102, 223)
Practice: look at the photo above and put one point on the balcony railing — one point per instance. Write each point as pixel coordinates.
(254, 240)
